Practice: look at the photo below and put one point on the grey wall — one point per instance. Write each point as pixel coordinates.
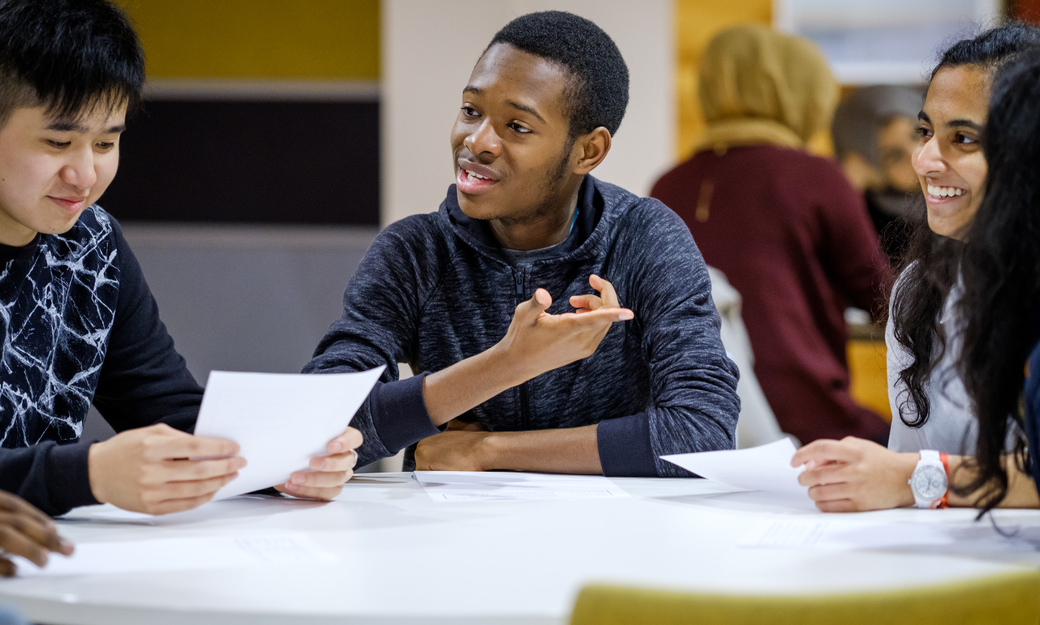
(245, 298)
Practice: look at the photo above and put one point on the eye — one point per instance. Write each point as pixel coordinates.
(106, 145)
(923, 132)
(58, 144)
(965, 139)
(520, 128)
(469, 111)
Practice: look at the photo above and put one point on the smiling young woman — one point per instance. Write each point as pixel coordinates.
(925, 331)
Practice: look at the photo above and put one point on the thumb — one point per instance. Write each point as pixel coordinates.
(541, 301)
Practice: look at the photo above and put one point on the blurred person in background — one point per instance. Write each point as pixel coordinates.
(875, 133)
(784, 226)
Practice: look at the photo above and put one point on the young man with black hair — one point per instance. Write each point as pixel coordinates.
(79, 324)
(465, 295)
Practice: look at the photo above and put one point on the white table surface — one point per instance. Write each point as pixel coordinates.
(408, 559)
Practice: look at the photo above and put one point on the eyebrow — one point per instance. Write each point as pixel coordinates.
(68, 125)
(953, 123)
(518, 106)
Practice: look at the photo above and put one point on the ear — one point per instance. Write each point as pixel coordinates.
(590, 150)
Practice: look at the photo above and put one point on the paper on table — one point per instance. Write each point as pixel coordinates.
(175, 554)
(279, 420)
(766, 467)
(786, 534)
(473, 486)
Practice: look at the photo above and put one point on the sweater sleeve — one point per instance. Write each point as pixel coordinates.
(693, 404)
(379, 326)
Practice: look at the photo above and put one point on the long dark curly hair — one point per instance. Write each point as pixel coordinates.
(930, 267)
(1001, 273)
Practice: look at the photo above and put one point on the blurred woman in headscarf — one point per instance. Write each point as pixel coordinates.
(875, 133)
(784, 226)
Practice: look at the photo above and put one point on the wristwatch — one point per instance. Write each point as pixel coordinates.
(930, 482)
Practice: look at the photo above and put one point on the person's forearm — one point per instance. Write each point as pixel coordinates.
(567, 450)
(468, 383)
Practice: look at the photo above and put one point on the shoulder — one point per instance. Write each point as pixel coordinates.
(642, 218)
(415, 232)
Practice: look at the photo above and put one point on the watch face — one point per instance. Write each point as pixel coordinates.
(928, 482)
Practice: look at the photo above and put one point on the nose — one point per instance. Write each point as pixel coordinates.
(79, 170)
(927, 158)
(483, 139)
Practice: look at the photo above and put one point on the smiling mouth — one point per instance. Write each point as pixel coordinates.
(476, 177)
(72, 204)
(470, 182)
(942, 193)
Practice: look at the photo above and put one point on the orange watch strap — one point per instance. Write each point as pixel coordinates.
(943, 501)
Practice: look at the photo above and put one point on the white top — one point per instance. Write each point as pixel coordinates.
(950, 427)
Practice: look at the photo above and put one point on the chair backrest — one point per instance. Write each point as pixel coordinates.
(1005, 599)
(757, 423)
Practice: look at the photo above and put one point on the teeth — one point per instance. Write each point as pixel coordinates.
(478, 177)
(944, 191)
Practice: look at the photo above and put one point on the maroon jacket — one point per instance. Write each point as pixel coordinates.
(795, 240)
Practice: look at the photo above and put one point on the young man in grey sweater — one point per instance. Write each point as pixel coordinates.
(520, 364)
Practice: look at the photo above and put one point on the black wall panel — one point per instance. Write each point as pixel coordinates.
(249, 162)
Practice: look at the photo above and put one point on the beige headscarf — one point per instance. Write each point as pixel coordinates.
(760, 86)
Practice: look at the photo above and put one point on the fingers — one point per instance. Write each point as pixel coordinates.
(14, 540)
(44, 533)
(17, 505)
(190, 446)
(586, 303)
(323, 486)
(335, 462)
(606, 291)
(822, 451)
(192, 470)
(593, 318)
(350, 439)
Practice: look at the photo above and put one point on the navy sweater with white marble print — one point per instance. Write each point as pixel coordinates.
(79, 326)
(435, 289)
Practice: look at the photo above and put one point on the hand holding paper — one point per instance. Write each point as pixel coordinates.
(146, 469)
(328, 473)
(288, 426)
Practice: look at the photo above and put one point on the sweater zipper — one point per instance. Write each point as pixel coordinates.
(518, 277)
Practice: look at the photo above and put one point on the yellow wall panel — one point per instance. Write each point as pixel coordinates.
(867, 376)
(259, 39)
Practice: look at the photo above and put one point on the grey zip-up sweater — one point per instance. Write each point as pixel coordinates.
(435, 289)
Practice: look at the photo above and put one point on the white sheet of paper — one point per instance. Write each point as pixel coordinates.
(787, 534)
(498, 485)
(766, 467)
(280, 420)
(175, 554)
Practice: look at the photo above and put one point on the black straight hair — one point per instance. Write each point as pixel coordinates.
(1001, 273)
(68, 56)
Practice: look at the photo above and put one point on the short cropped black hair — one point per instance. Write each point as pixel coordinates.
(68, 56)
(598, 90)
